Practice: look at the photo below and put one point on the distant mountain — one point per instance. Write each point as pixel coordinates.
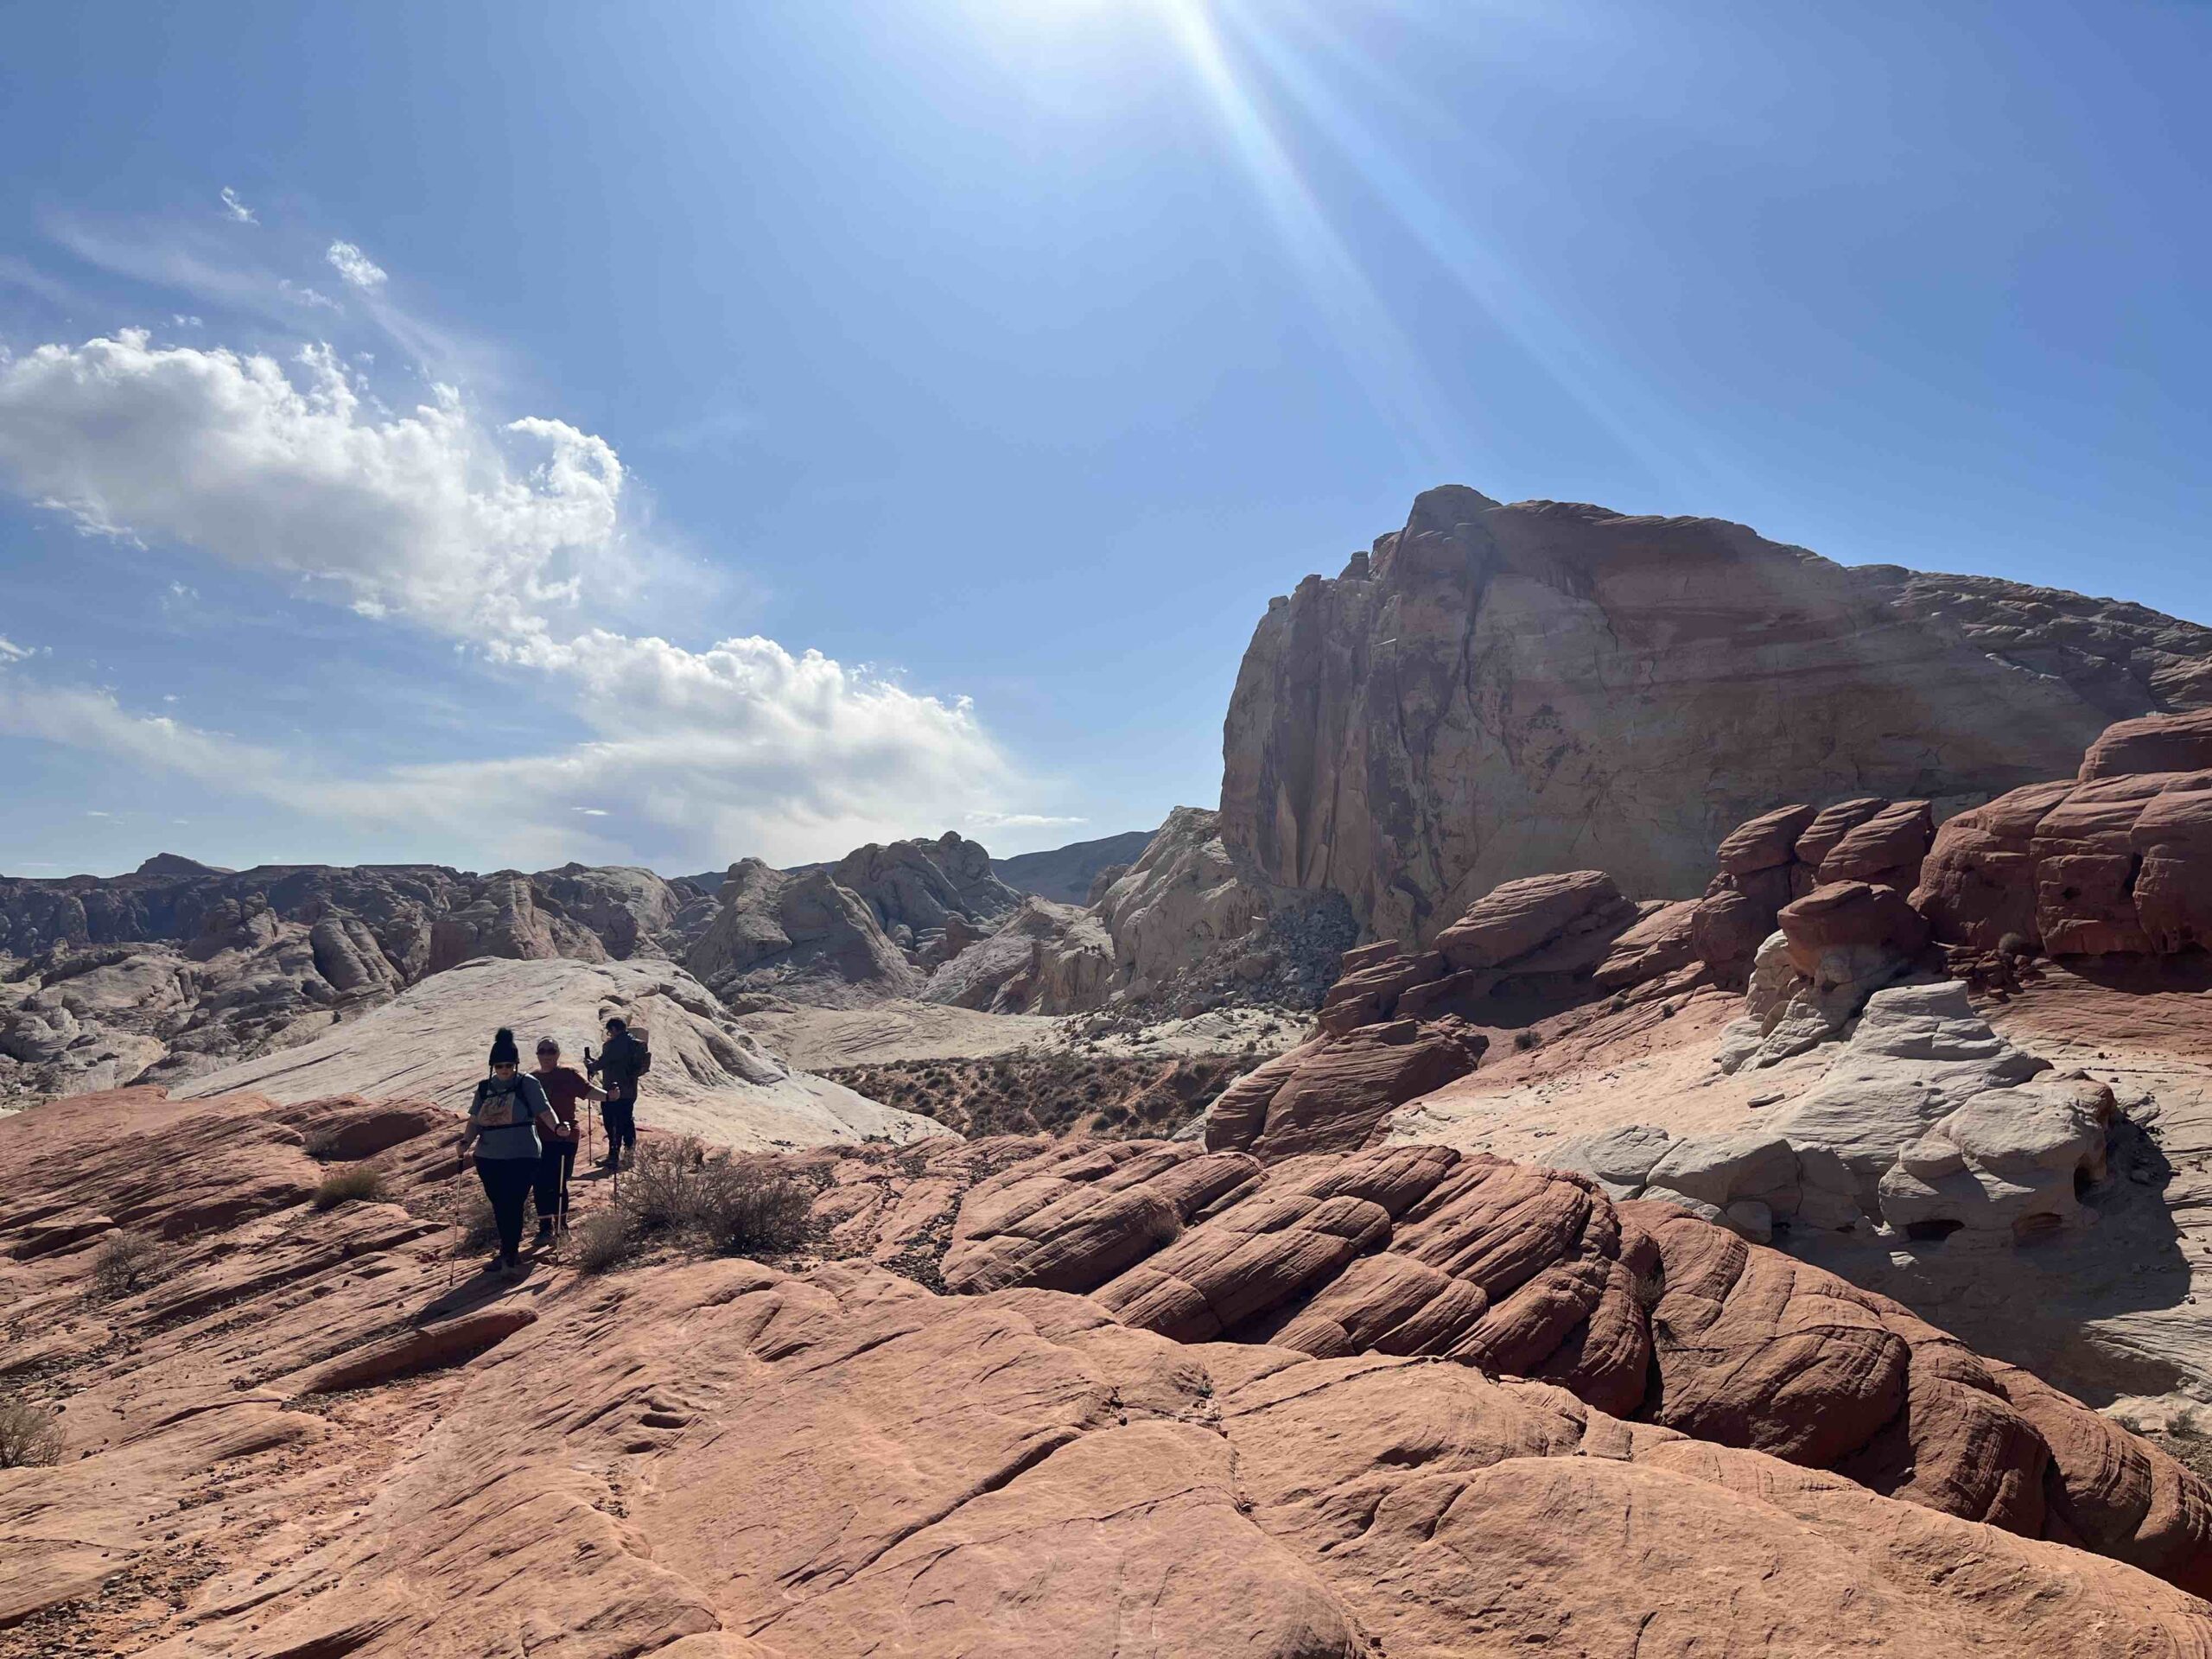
(1063, 874)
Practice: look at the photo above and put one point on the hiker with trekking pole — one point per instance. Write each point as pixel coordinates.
(564, 1088)
(622, 1059)
(508, 1122)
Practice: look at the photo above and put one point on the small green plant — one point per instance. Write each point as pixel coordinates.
(30, 1435)
(362, 1182)
(602, 1242)
(123, 1262)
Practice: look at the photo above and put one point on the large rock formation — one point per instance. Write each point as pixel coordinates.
(709, 1078)
(1499, 691)
(297, 1436)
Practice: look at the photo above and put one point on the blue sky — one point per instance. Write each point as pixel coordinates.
(472, 480)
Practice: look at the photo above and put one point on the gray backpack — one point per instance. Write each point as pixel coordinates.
(502, 1103)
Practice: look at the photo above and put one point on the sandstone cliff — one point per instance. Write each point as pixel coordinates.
(1498, 691)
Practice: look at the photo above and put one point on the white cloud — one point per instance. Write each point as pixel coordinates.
(356, 267)
(10, 651)
(489, 535)
(237, 209)
(183, 320)
(1020, 821)
(300, 294)
(99, 814)
(430, 515)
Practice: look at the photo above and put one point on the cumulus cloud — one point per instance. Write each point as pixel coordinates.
(488, 534)
(429, 515)
(237, 210)
(356, 267)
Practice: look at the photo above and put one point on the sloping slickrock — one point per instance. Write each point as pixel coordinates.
(1330, 1094)
(723, 1460)
(1639, 1309)
(1494, 691)
(710, 1076)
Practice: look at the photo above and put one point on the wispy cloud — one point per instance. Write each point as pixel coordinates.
(239, 212)
(356, 267)
(301, 294)
(10, 651)
(183, 320)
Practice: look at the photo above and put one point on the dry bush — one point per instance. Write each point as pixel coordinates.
(479, 1223)
(602, 1242)
(123, 1262)
(29, 1434)
(361, 1181)
(743, 1204)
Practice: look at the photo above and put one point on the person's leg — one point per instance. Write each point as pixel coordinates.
(610, 1114)
(510, 1192)
(547, 1187)
(629, 1123)
(488, 1174)
(567, 1170)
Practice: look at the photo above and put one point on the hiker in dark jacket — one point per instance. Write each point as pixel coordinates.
(565, 1089)
(622, 1060)
(505, 1120)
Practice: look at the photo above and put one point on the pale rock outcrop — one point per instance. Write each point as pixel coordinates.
(1497, 691)
(921, 884)
(1836, 947)
(798, 936)
(1927, 1123)
(710, 1076)
(1044, 958)
(1192, 919)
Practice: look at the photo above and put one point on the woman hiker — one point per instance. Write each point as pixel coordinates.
(504, 1124)
(563, 1088)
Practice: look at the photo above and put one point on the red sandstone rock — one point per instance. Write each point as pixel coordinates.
(718, 1460)
(1329, 1095)
(2154, 743)
(1886, 848)
(1764, 842)
(1846, 913)
(1515, 918)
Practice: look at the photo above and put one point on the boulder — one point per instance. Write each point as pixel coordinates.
(1331, 1094)
(1570, 920)
(2179, 742)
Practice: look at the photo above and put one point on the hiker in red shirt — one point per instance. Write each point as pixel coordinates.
(563, 1088)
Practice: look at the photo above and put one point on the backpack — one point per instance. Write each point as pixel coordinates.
(503, 1104)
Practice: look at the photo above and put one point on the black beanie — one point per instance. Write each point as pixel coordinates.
(503, 1049)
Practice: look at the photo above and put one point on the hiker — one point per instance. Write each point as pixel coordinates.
(504, 1121)
(622, 1060)
(564, 1086)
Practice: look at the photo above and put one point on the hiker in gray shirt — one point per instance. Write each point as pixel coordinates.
(504, 1121)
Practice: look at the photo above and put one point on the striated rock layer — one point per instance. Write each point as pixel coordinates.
(296, 1440)
(1498, 691)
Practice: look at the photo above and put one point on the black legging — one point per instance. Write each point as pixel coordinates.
(621, 1117)
(507, 1182)
(553, 1165)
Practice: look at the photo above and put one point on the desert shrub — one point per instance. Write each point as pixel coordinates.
(323, 1145)
(743, 1205)
(2014, 944)
(123, 1263)
(1524, 1040)
(29, 1434)
(600, 1244)
(361, 1181)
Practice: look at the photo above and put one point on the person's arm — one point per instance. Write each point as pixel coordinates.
(471, 1129)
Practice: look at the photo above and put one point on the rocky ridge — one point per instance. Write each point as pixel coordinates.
(1496, 691)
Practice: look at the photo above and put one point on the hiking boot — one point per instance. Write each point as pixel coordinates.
(544, 1233)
